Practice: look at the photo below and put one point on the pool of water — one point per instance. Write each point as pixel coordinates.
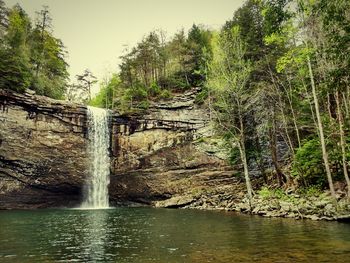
(166, 236)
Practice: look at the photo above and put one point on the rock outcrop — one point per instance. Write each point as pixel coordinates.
(42, 151)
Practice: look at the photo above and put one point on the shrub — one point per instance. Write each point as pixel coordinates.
(154, 90)
(308, 164)
(314, 190)
(138, 92)
(176, 81)
(165, 94)
(265, 192)
(143, 105)
(278, 193)
(202, 96)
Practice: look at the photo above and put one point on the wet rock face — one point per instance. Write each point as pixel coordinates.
(42, 151)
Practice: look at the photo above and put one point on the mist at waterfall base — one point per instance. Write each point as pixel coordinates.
(95, 190)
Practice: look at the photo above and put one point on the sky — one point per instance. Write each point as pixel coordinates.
(96, 32)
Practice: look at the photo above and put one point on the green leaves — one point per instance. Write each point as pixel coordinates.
(15, 71)
(32, 58)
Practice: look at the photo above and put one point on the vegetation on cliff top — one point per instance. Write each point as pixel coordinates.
(156, 68)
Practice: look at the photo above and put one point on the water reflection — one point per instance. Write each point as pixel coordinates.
(95, 234)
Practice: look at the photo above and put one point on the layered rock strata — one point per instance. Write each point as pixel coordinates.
(162, 157)
(42, 151)
(168, 154)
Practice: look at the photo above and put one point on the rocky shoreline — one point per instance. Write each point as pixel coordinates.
(289, 206)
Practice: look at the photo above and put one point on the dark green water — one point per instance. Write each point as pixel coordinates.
(160, 235)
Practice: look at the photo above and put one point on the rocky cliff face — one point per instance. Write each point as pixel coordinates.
(167, 156)
(42, 151)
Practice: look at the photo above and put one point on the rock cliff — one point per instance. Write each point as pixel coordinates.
(166, 156)
(42, 151)
(169, 153)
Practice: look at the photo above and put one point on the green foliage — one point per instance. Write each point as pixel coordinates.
(267, 193)
(249, 19)
(202, 95)
(31, 57)
(308, 164)
(176, 82)
(100, 99)
(234, 156)
(143, 104)
(165, 94)
(14, 71)
(175, 64)
(313, 190)
(137, 93)
(154, 90)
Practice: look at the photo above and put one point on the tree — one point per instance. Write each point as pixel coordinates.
(107, 96)
(14, 60)
(228, 78)
(199, 48)
(31, 57)
(40, 34)
(85, 82)
(3, 20)
(47, 58)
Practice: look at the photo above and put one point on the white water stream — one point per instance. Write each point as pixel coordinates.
(96, 188)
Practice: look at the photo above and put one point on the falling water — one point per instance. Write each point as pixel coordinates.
(96, 188)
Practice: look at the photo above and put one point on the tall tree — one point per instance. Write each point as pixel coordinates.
(47, 58)
(14, 53)
(228, 79)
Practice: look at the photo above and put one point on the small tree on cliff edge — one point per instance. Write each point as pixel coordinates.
(85, 82)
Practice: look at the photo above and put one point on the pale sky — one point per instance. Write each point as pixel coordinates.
(95, 32)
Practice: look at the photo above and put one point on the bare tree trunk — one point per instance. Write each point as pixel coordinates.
(342, 141)
(346, 105)
(310, 104)
(259, 159)
(320, 129)
(243, 155)
(273, 149)
(289, 142)
(293, 113)
(329, 104)
(285, 123)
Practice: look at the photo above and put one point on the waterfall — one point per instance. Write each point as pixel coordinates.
(96, 188)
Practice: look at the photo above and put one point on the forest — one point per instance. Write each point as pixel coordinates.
(278, 71)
